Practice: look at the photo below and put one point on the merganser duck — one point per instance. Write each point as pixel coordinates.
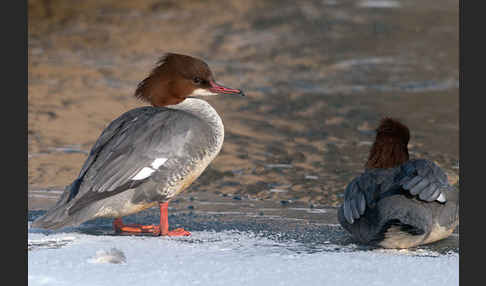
(149, 154)
(397, 202)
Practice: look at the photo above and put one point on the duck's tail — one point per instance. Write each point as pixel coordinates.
(395, 222)
(58, 216)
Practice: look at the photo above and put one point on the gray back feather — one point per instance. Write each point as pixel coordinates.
(418, 178)
(133, 141)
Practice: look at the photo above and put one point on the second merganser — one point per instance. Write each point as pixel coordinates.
(148, 155)
(397, 202)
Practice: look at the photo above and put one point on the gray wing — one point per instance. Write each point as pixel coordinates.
(364, 191)
(117, 127)
(421, 178)
(133, 142)
(354, 204)
(424, 179)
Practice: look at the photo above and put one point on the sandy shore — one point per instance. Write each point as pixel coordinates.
(318, 76)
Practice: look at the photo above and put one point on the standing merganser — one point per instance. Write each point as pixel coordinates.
(149, 154)
(397, 202)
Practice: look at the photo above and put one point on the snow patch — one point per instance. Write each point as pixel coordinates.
(113, 255)
(228, 258)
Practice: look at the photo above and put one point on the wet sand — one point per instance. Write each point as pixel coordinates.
(319, 76)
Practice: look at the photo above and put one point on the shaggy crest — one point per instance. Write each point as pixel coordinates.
(168, 81)
(390, 147)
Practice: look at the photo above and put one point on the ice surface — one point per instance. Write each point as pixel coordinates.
(225, 258)
(109, 256)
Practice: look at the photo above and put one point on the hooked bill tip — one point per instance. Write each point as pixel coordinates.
(217, 88)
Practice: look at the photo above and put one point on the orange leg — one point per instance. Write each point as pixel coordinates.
(164, 223)
(162, 229)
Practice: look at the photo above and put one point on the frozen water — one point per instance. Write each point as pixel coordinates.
(233, 242)
(109, 256)
(225, 258)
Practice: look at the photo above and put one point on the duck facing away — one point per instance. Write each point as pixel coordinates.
(150, 154)
(397, 202)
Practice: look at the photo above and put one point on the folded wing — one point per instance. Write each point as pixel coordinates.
(420, 178)
(136, 146)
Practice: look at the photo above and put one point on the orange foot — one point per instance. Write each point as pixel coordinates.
(156, 230)
(178, 232)
(120, 227)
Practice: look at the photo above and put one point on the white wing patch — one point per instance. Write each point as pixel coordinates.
(147, 171)
(441, 198)
(158, 162)
(144, 173)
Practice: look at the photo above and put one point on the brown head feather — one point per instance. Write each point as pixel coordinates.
(170, 82)
(390, 146)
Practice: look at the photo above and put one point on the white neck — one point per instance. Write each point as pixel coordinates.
(206, 112)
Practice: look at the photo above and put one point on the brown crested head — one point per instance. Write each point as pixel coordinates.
(390, 147)
(176, 77)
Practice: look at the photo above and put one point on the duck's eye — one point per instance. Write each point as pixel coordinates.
(197, 80)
